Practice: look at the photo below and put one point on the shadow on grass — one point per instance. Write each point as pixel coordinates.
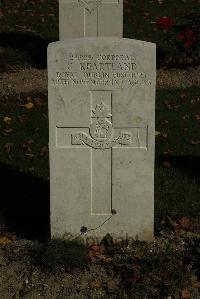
(35, 46)
(58, 254)
(24, 203)
(187, 164)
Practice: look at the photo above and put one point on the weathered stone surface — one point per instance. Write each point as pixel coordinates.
(102, 118)
(85, 18)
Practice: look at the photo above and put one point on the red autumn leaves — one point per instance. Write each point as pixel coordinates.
(165, 23)
(187, 36)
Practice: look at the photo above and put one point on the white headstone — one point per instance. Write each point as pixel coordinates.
(85, 18)
(102, 128)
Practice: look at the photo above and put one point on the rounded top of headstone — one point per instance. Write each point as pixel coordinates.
(97, 41)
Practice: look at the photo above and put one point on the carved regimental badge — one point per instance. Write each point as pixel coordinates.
(101, 132)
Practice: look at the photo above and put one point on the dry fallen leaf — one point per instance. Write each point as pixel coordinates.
(31, 156)
(167, 104)
(1, 14)
(166, 164)
(4, 240)
(28, 106)
(167, 152)
(185, 294)
(96, 253)
(146, 14)
(7, 120)
(193, 142)
(95, 284)
(185, 222)
(164, 135)
(197, 117)
(44, 151)
(95, 248)
(8, 147)
(165, 121)
(29, 142)
(7, 132)
(196, 284)
(171, 222)
(45, 116)
(38, 102)
(23, 118)
(26, 146)
(105, 258)
(183, 96)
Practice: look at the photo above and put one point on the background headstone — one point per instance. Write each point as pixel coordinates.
(83, 18)
(102, 130)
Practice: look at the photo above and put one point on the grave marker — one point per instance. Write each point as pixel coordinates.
(101, 113)
(84, 18)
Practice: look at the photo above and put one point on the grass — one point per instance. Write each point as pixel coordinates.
(177, 172)
(141, 25)
(29, 136)
(24, 163)
(32, 17)
(156, 270)
(26, 27)
(57, 254)
(41, 17)
(168, 266)
(24, 153)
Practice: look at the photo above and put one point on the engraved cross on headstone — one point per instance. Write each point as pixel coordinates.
(102, 139)
(85, 18)
(91, 15)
